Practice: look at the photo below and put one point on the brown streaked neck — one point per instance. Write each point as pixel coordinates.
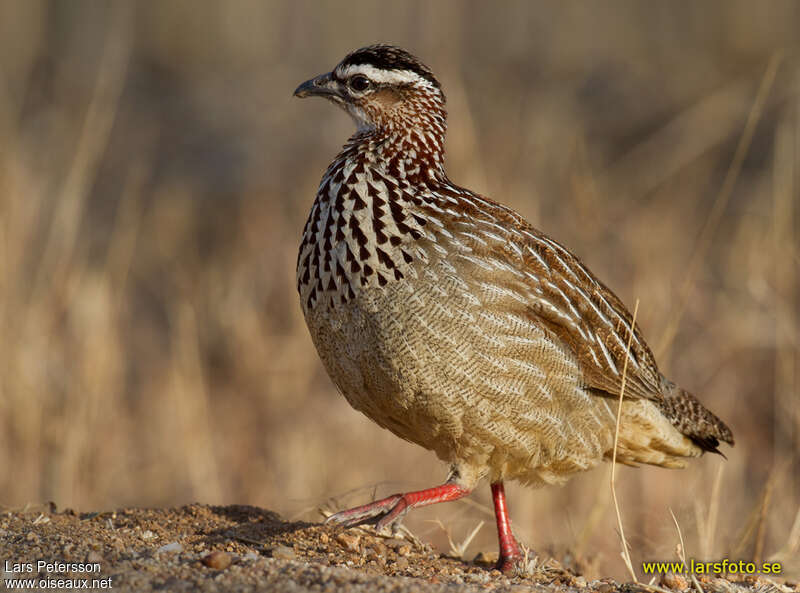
(411, 144)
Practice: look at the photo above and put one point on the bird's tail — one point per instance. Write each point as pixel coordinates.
(689, 416)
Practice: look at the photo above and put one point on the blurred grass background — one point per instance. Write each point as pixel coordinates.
(155, 174)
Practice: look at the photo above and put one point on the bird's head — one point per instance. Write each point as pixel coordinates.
(382, 87)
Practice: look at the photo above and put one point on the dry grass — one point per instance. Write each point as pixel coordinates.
(626, 552)
(155, 174)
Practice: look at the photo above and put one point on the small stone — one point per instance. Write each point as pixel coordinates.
(605, 588)
(404, 550)
(374, 555)
(147, 535)
(349, 541)
(283, 553)
(170, 548)
(32, 537)
(580, 582)
(218, 560)
(674, 581)
(380, 549)
(93, 557)
(401, 563)
(324, 539)
(479, 577)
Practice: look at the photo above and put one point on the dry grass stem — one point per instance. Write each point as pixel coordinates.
(682, 552)
(626, 556)
(792, 546)
(755, 528)
(761, 529)
(458, 550)
(707, 522)
(720, 202)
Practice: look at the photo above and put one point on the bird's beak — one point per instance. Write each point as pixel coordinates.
(321, 86)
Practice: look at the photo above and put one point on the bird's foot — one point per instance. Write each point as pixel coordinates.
(359, 514)
(394, 507)
(509, 565)
(512, 560)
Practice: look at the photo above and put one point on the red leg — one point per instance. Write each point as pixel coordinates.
(395, 506)
(510, 553)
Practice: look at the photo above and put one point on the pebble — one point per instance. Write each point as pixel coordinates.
(374, 555)
(324, 539)
(480, 577)
(674, 581)
(283, 553)
(349, 541)
(169, 548)
(118, 545)
(605, 588)
(401, 563)
(93, 557)
(32, 537)
(217, 560)
(380, 549)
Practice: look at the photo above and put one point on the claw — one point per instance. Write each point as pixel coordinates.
(356, 515)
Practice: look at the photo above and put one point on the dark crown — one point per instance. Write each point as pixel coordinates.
(389, 57)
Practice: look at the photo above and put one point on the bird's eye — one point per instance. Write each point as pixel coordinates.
(359, 83)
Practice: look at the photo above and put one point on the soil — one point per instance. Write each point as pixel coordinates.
(240, 548)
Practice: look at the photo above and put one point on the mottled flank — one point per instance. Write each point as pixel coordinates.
(448, 319)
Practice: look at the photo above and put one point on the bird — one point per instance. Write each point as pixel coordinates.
(448, 319)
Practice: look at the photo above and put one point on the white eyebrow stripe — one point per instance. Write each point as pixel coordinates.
(378, 75)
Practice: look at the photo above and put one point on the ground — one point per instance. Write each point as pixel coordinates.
(241, 548)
